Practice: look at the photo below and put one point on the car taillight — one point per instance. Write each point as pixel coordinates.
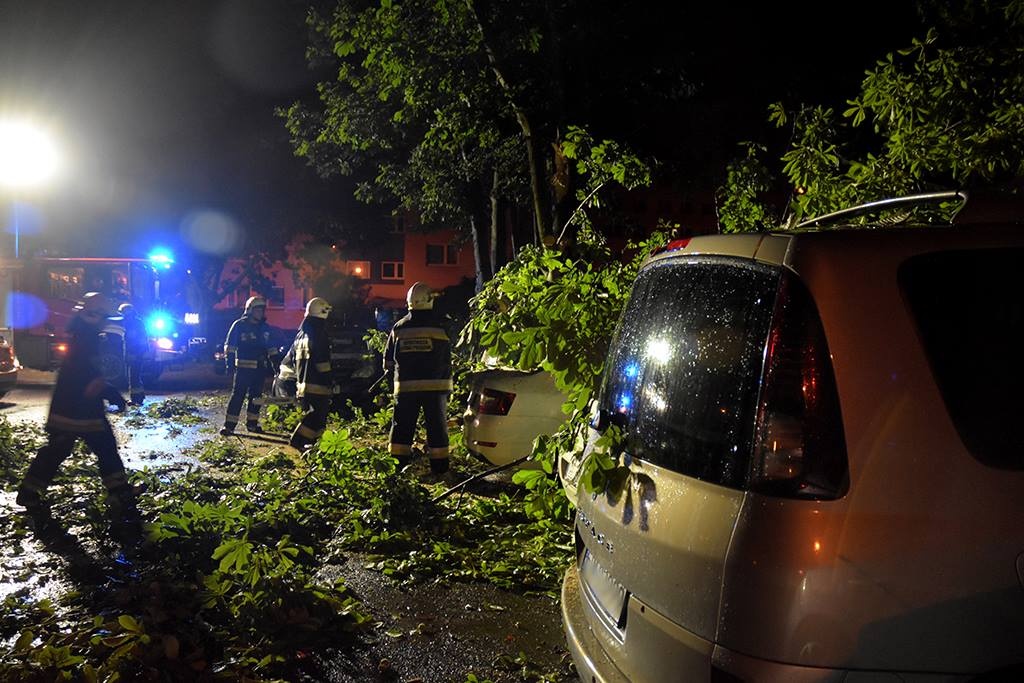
(800, 450)
(494, 402)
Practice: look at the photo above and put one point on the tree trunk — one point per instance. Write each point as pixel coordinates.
(494, 223)
(536, 173)
(478, 256)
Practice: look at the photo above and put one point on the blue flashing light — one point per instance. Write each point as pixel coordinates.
(625, 401)
(159, 324)
(631, 370)
(161, 258)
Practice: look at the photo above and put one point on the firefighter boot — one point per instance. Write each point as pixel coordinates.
(32, 501)
(125, 520)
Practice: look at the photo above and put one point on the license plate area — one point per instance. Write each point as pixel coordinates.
(606, 596)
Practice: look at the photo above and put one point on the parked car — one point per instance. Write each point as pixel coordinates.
(354, 366)
(508, 410)
(9, 366)
(825, 474)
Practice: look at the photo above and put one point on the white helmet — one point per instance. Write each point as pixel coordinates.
(93, 308)
(318, 308)
(420, 297)
(254, 302)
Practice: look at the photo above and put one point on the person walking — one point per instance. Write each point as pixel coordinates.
(136, 351)
(77, 411)
(418, 353)
(313, 383)
(246, 354)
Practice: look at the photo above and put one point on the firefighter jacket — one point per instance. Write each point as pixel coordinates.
(247, 344)
(77, 405)
(136, 341)
(286, 370)
(312, 349)
(420, 354)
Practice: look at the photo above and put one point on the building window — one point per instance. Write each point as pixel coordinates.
(359, 269)
(275, 297)
(392, 270)
(442, 255)
(398, 223)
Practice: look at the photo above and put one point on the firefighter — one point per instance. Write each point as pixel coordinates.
(314, 386)
(77, 411)
(245, 351)
(284, 382)
(136, 350)
(418, 352)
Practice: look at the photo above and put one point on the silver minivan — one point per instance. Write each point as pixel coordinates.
(825, 472)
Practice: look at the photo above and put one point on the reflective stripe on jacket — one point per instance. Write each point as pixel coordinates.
(77, 404)
(312, 352)
(420, 353)
(248, 341)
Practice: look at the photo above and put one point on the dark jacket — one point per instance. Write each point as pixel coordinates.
(247, 344)
(77, 405)
(136, 340)
(420, 354)
(312, 349)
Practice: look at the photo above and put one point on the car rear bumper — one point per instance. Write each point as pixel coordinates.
(592, 663)
(655, 649)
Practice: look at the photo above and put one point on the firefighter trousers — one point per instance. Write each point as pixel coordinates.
(314, 420)
(248, 383)
(403, 426)
(59, 446)
(133, 370)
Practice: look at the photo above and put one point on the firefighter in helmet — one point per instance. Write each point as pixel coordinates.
(246, 354)
(418, 352)
(312, 364)
(77, 411)
(136, 350)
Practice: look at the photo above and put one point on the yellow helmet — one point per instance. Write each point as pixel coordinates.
(318, 308)
(420, 297)
(254, 302)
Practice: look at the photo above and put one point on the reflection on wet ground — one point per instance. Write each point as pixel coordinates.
(433, 632)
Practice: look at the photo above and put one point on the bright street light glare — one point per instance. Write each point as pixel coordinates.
(28, 156)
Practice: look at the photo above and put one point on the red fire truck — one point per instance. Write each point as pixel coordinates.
(46, 290)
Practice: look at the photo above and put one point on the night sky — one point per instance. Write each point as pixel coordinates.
(165, 108)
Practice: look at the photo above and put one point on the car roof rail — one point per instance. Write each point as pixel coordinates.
(909, 201)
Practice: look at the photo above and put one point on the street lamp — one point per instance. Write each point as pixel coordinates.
(28, 159)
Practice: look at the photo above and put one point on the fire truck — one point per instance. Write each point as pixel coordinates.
(46, 290)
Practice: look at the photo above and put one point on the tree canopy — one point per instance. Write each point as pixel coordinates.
(451, 109)
(945, 112)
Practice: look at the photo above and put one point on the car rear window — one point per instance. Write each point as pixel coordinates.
(969, 310)
(684, 369)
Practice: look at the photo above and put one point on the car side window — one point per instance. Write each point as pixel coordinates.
(684, 369)
(970, 315)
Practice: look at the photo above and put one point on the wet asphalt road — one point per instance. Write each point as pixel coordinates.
(432, 633)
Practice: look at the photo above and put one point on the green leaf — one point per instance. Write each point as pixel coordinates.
(129, 623)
